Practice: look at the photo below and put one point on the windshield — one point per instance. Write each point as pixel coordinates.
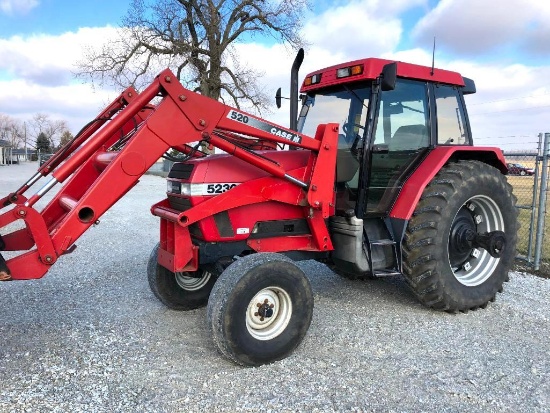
(346, 105)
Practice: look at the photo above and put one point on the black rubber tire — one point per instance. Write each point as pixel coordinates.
(233, 293)
(165, 287)
(426, 262)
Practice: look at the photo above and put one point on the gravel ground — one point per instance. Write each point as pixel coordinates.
(90, 337)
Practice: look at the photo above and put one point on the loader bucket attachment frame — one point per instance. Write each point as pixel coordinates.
(107, 158)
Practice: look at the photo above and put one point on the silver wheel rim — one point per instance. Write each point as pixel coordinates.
(480, 265)
(192, 283)
(268, 313)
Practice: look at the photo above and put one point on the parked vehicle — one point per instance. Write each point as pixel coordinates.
(519, 169)
(384, 180)
(44, 157)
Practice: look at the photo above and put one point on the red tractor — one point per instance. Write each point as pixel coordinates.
(392, 185)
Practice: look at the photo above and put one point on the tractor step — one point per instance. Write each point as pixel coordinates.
(385, 273)
(383, 242)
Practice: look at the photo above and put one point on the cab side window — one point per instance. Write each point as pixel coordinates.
(450, 116)
(403, 117)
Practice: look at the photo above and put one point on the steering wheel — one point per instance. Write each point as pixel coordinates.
(356, 138)
(346, 127)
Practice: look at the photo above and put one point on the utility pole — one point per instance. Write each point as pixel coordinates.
(25, 139)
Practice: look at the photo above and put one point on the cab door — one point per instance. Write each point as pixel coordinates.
(400, 139)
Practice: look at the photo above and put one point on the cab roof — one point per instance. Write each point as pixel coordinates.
(372, 67)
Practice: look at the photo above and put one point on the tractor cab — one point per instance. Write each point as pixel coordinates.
(391, 116)
(386, 129)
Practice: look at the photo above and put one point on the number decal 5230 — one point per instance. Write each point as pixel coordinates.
(218, 188)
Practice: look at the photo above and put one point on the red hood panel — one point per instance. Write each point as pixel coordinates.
(227, 168)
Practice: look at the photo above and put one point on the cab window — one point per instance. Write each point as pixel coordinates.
(450, 116)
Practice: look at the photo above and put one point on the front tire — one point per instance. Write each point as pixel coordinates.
(442, 270)
(260, 309)
(179, 291)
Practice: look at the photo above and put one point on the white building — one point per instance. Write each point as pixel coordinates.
(5, 152)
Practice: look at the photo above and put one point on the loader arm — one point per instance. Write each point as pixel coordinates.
(112, 152)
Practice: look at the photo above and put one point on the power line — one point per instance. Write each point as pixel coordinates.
(505, 100)
(509, 110)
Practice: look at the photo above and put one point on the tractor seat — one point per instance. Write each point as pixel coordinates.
(347, 165)
(409, 138)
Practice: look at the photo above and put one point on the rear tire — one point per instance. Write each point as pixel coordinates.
(260, 309)
(442, 273)
(179, 291)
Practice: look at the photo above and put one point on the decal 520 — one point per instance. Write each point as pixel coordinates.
(264, 126)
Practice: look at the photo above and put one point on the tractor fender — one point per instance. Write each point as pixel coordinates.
(409, 195)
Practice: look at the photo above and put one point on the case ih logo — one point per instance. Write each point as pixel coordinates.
(286, 135)
(264, 126)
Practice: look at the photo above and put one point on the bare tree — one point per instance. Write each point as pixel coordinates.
(51, 129)
(11, 130)
(195, 38)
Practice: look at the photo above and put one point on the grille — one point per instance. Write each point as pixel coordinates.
(179, 204)
(181, 171)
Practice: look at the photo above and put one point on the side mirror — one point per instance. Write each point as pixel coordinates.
(389, 76)
(278, 98)
(469, 86)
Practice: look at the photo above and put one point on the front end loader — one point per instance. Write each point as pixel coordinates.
(377, 177)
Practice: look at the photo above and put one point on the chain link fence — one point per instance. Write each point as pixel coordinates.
(528, 175)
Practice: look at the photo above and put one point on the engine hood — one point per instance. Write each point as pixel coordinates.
(228, 169)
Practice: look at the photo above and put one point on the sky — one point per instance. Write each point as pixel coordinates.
(503, 45)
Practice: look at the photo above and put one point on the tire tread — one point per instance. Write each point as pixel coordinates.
(421, 255)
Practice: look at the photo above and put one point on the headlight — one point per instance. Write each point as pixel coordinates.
(175, 187)
(185, 189)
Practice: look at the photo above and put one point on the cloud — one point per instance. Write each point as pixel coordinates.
(35, 71)
(36, 76)
(76, 103)
(345, 31)
(24, 98)
(393, 8)
(40, 65)
(511, 100)
(11, 7)
(473, 27)
(46, 59)
(537, 41)
(511, 104)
